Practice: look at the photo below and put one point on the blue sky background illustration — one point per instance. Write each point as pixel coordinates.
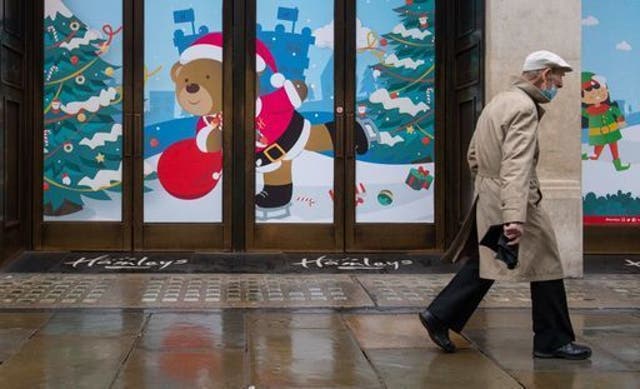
(606, 25)
(376, 15)
(159, 27)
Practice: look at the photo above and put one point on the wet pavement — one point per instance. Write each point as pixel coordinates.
(278, 332)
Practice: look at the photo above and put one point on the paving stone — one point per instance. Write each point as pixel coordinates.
(305, 357)
(65, 362)
(100, 324)
(394, 331)
(431, 368)
(512, 348)
(193, 331)
(582, 379)
(183, 369)
(11, 340)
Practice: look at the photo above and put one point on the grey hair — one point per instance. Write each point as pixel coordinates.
(531, 75)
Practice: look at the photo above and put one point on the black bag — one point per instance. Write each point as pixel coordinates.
(498, 242)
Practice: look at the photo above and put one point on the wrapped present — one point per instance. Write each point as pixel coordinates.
(419, 178)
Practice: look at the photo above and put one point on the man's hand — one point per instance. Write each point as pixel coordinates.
(513, 232)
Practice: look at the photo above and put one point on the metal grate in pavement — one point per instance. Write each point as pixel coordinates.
(16, 290)
(594, 291)
(181, 291)
(198, 291)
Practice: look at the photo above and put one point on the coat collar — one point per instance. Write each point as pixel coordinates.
(533, 92)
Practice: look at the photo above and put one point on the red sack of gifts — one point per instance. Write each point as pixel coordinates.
(188, 173)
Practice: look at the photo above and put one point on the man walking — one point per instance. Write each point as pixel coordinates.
(502, 156)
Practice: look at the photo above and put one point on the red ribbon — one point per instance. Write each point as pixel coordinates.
(108, 29)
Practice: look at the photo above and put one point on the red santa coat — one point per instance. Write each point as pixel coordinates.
(274, 113)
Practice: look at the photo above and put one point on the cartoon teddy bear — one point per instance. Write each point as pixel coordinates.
(281, 132)
(191, 168)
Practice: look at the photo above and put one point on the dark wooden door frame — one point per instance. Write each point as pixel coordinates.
(464, 99)
(362, 237)
(75, 235)
(131, 233)
(14, 135)
(288, 236)
(180, 236)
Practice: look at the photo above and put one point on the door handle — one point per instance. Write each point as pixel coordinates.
(139, 135)
(349, 127)
(338, 136)
(127, 141)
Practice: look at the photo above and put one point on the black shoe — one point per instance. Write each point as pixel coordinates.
(438, 332)
(568, 351)
(362, 142)
(274, 196)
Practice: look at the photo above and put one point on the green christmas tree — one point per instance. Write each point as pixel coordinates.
(82, 138)
(403, 105)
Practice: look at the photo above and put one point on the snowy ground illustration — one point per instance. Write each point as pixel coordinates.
(312, 201)
(596, 173)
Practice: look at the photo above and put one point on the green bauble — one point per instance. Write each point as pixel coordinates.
(385, 197)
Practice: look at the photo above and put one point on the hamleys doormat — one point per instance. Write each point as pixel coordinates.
(278, 263)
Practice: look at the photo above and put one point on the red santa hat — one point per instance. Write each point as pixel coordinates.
(208, 46)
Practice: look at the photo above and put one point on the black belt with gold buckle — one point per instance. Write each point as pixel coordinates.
(279, 149)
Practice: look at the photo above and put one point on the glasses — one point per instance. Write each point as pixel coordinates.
(592, 86)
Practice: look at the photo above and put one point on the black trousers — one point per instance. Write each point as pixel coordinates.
(459, 299)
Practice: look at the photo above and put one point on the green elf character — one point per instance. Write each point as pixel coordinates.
(603, 118)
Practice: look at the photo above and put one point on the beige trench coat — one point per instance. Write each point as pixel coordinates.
(502, 156)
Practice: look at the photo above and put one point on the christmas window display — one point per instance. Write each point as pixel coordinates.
(395, 110)
(294, 122)
(183, 118)
(610, 101)
(82, 108)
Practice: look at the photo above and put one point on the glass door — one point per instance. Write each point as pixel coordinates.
(180, 126)
(296, 153)
(84, 163)
(159, 135)
(391, 105)
(344, 128)
(135, 96)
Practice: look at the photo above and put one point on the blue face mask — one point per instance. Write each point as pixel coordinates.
(550, 93)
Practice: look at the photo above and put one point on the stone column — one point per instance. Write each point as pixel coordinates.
(515, 28)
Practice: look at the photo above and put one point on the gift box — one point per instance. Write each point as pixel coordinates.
(419, 178)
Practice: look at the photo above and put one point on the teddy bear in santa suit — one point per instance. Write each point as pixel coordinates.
(282, 133)
(191, 168)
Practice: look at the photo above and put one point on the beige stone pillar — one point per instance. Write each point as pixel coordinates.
(514, 28)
